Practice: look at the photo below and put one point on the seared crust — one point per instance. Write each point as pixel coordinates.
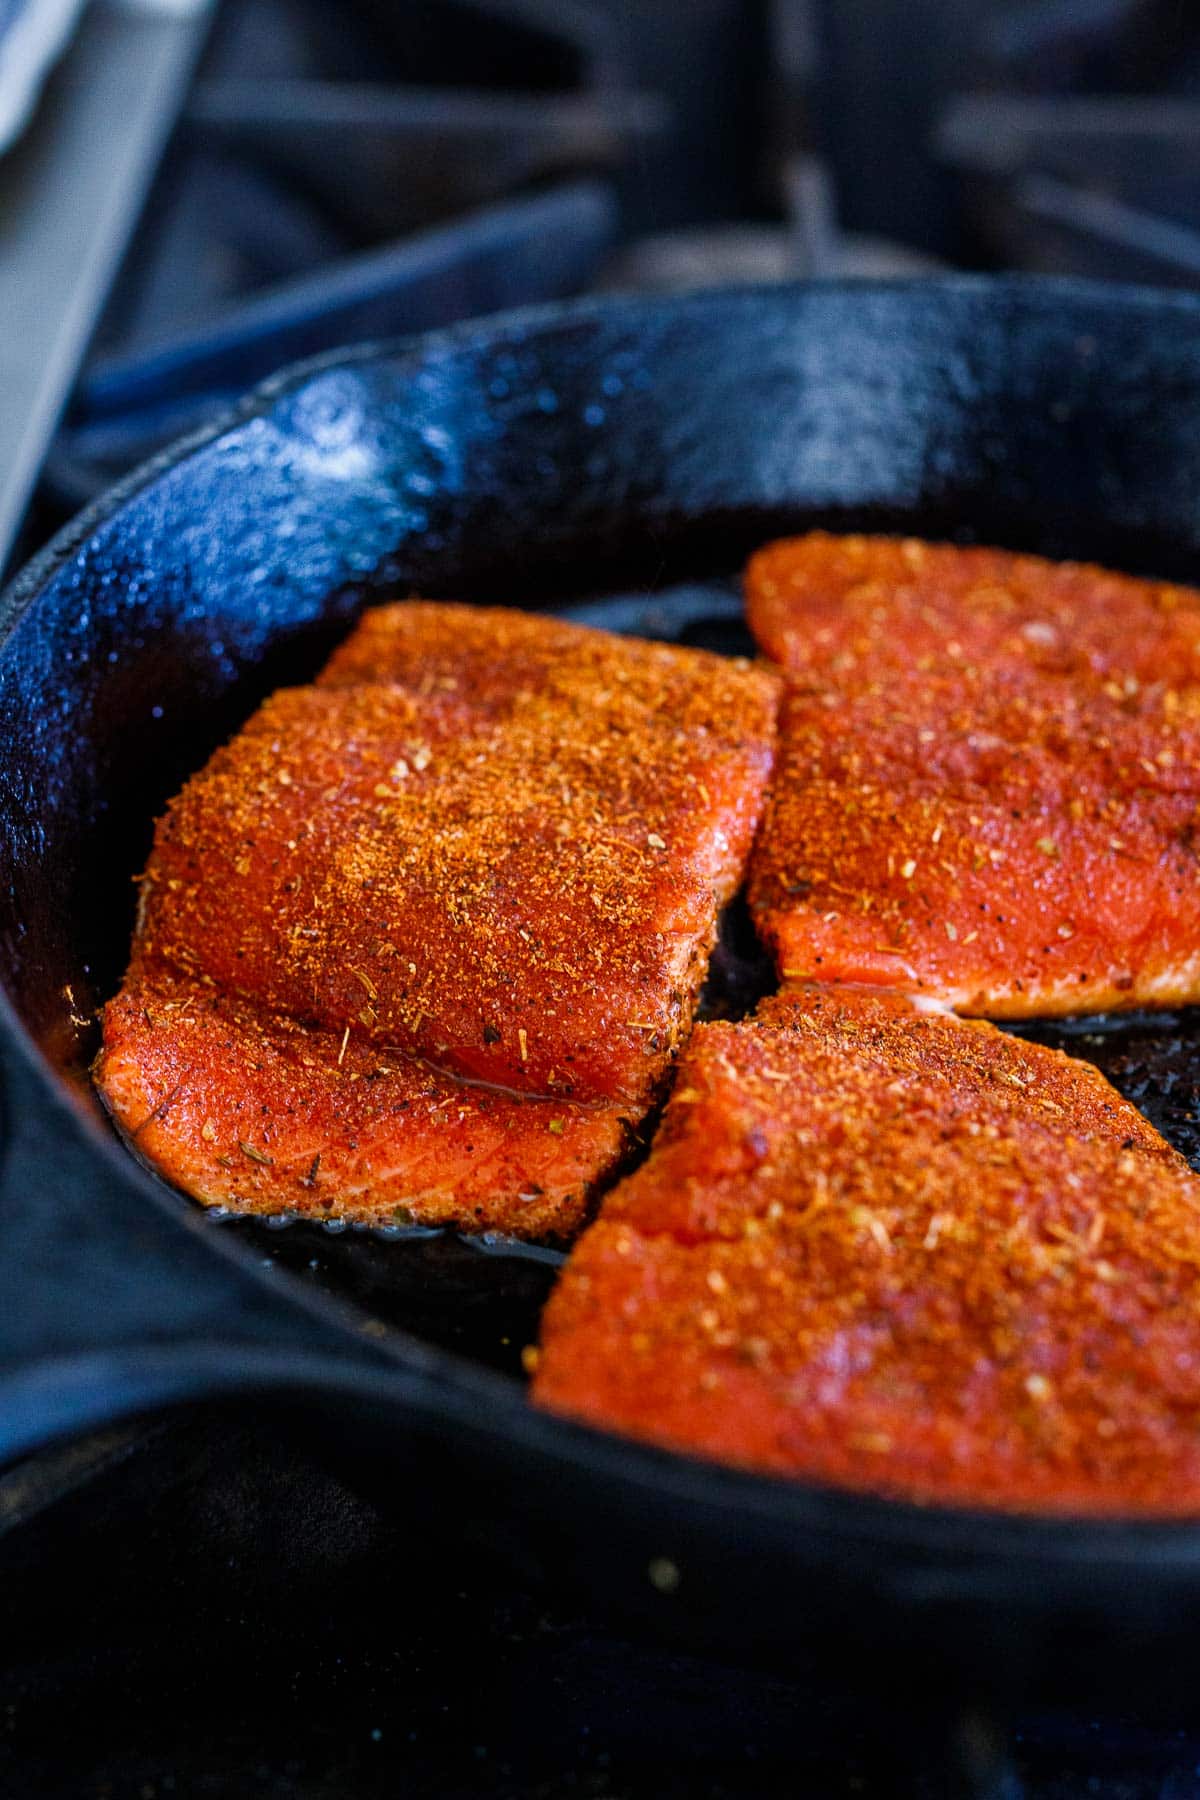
(263, 1115)
(509, 868)
(902, 1252)
(989, 776)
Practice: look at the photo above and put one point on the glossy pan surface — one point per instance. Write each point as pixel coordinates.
(616, 462)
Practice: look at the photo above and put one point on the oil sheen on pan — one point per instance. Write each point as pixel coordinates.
(988, 787)
(460, 893)
(898, 1251)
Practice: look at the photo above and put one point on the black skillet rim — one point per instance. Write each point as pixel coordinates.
(448, 1390)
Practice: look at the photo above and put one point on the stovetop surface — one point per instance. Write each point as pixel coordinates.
(214, 1614)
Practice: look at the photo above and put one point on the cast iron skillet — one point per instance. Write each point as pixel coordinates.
(637, 449)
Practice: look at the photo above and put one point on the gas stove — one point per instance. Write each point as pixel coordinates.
(195, 1606)
(335, 175)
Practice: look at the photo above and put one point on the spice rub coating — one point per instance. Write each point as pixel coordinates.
(988, 785)
(264, 1115)
(425, 951)
(901, 1252)
(522, 887)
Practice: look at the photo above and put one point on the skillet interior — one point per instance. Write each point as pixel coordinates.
(616, 463)
(483, 1298)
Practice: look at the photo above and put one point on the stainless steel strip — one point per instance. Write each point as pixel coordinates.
(70, 195)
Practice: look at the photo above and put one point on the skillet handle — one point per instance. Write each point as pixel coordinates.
(110, 1304)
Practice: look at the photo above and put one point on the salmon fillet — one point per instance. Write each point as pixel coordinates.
(898, 1251)
(501, 852)
(988, 784)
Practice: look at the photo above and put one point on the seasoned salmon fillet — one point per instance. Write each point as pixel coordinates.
(505, 863)
(523, 889)
(266, 1115)
(895, 1250)
(988, 786)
